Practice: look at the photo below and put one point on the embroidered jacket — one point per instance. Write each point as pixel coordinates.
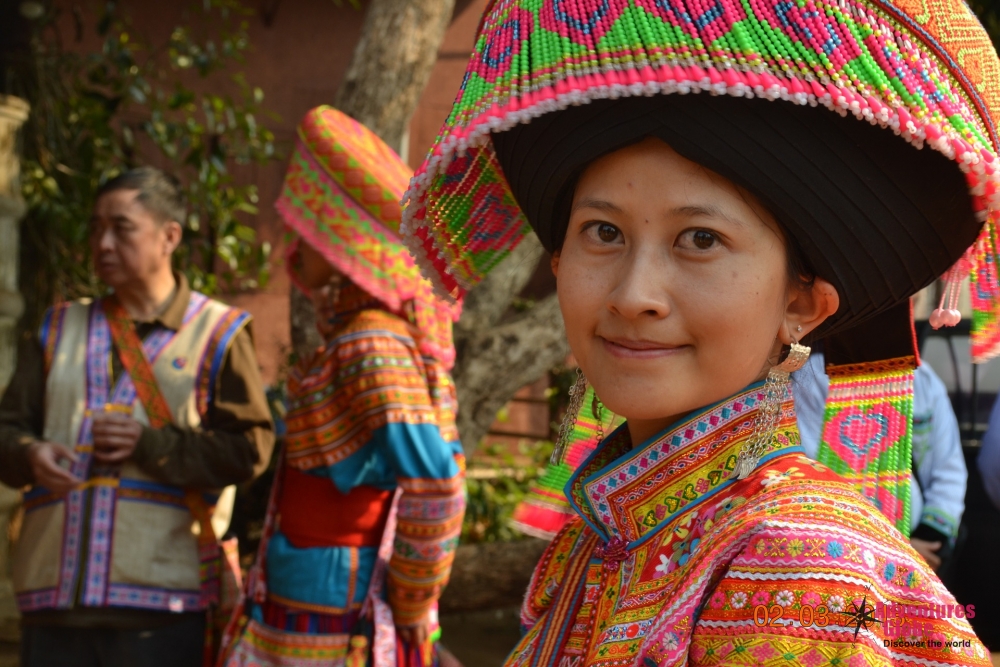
(124, 538)
(671, 561)
(369, 414)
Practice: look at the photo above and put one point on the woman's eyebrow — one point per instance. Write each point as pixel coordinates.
(598, 204)
(708, 211)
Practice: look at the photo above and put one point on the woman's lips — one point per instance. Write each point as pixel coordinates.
(627, 348)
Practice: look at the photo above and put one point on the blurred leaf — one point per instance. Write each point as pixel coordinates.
(127, 103)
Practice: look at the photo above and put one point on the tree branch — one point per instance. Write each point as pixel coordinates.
(497, 361)
(486, 305)
(392, 63)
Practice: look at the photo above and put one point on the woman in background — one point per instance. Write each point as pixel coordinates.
(368, 500)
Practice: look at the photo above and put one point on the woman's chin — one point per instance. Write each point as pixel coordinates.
(646, 405)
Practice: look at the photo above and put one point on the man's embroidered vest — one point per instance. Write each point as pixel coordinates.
(123, 539)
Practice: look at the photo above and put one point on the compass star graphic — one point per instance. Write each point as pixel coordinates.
(861, 615)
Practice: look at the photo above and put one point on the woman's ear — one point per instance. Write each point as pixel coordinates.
(554, 263)
(808, 308)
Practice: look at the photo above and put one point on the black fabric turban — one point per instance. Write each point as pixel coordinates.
(873, 215)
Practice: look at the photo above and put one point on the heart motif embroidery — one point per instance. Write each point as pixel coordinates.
(858, 435)
(861, 433)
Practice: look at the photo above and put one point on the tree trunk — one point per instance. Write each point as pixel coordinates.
(392, 63)
(499, 353)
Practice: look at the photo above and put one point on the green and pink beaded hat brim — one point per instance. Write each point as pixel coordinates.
(923, 70)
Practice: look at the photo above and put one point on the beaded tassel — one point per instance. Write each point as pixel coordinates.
(545, 509)
(947, 313)
(984, 287)
(867, 432)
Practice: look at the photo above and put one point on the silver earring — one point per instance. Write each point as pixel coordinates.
(576, 394)
(769, 411)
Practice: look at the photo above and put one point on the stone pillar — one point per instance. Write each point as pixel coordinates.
(13, 112)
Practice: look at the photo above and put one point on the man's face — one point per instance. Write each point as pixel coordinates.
(127, 242)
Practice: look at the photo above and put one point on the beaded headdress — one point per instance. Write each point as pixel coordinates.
(922, 69)
(341, 196)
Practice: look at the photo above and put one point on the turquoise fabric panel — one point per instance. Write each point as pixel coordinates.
(317, 575)
(413, 451)
(417, 451)
(367, 466)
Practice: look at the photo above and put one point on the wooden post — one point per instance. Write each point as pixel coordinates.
(13, 112)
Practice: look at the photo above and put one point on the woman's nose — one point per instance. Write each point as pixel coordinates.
(642, 289)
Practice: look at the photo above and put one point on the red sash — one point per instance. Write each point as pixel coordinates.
(314, 513)
(135, 363)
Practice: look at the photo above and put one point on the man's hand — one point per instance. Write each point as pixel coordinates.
(115, 437)
(49, 461)
(929, 551)
(417, 634)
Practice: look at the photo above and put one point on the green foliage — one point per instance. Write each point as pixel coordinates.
(494, 492)
(177, 105)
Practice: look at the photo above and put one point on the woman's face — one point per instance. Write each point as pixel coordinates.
(673, 286)
(313, 270)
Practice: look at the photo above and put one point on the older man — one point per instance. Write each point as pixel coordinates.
(126, 417)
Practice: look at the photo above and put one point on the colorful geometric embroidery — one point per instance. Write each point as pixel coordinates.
(135, 363)
(49, 332)
(702, 588)
(332, 411)
(215, 353)
(867, 432)
(545, 509)
(341, 196)
(623, 496)
(924, 69)
(261, 645)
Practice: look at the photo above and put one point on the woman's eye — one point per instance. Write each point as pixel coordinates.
(701, 239)
(607, 232)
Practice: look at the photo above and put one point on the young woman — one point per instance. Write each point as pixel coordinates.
(697, 241)
(368, 498)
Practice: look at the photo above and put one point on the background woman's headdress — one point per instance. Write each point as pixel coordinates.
(341, 196)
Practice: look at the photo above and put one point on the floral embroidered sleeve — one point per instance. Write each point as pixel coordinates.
(409, 412)
(829, 583)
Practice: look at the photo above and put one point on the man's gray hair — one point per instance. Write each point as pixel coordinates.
(159, 192)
